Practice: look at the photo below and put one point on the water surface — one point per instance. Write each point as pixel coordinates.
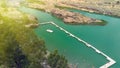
(105, 38)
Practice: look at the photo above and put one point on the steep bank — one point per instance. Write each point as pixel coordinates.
(102, 7)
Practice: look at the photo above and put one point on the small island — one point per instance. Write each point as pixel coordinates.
(67, 16)
(73, 18)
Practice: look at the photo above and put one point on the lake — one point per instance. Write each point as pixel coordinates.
(105, 38)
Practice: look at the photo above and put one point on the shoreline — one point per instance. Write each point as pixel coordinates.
(68, 17)
(88, 11)
(65, 5)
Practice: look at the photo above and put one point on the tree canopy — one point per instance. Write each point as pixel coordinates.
(19, 45)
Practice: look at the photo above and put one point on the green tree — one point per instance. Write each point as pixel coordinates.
(11, 55)
(19, 46)
(15, 57)
(57, 61)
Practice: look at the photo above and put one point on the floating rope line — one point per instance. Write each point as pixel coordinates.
(107, 65)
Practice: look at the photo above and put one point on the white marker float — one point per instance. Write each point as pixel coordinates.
(49, 30)
(107, 65)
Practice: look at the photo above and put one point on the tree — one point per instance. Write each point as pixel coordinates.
(14, 55)
(16, 58)
(19, 46)
(57, 61)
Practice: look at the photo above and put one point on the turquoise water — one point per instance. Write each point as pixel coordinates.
(105, 38)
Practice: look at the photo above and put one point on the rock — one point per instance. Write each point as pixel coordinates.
(68, 19)
(72, 17)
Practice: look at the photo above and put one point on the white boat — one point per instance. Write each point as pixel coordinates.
(49, 30)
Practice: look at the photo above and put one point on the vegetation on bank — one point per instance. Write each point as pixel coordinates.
(59, 61)
(19, 46)
(35, 4)
(36, 1)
